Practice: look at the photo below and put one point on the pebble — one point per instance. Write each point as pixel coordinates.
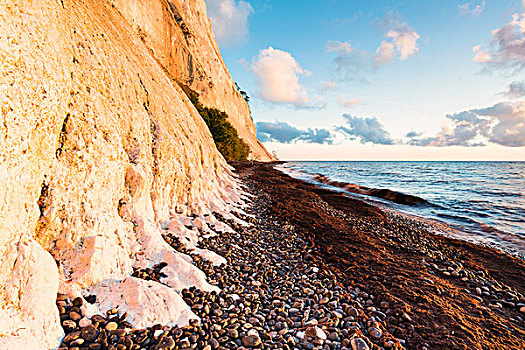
(315, 332)
(111, 326)
(214, 343)
(77, 342)
(375, 332)
(270, 299)
(90, 333)
(74, 316)
(71, 336)
(251, 341)
(84, 322)
(359, 344)
(69, 324)
(166, 343)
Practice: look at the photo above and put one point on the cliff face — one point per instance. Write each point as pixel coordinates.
(101, 152)
(180, 36)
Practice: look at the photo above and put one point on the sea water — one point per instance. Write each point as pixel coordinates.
(483, 201)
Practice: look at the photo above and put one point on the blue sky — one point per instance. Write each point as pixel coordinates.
(349, 80)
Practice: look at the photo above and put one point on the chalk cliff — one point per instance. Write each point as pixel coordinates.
(180, 37)
(101, 152)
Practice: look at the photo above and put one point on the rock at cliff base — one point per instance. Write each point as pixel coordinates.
(146, 303)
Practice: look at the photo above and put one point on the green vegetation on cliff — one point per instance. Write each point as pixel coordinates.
(227, 141)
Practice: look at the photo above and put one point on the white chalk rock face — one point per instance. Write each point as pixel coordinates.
(147, 303)
(214, 258)
(180, 36)
(182, 274)
(98, 146)
(29, 317)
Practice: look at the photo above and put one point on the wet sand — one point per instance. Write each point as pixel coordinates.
(442, 293)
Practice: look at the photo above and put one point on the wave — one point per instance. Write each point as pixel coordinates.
(393, 196)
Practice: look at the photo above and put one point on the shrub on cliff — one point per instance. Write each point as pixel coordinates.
(227, 141)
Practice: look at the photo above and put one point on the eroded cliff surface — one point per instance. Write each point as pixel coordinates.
(100, 151)
(180, 36)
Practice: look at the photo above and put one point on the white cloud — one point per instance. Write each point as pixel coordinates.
(507, 47)
(229, 19)
(480, 55)
(277, 75)
(401, 40)
(348, 102)
(515, 89)
(366, 130)
(285, 133)
(509, 119)
(384, 54)
(405, 39)
(470, 9)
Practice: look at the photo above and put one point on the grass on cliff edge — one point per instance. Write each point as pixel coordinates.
(227, 141)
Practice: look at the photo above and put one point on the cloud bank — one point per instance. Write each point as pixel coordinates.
(229, 19)
(502, 124)
(277, 74)
(366, 130)
(286, 133)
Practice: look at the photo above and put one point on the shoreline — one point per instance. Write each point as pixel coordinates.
(389, 200)
(318, 270)
(409, 268)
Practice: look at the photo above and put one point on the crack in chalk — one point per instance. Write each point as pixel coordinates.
(146, 103)
(62, 137)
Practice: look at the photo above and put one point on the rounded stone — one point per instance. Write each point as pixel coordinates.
(111, 326)
(353, 312)
(68, 324)
(251, 341)
(84, 322)
(74, 316)
(166, 343)
(90, 333)
(77, 342)
(233, 333)
(375, 332)
(77, 302)
(214, 343)
(71, 336)
(359, 344)
(315, 332)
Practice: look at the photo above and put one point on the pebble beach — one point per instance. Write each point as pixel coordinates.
(319, 270)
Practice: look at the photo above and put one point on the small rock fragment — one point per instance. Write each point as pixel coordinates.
(359, 344)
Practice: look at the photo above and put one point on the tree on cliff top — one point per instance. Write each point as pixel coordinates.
(226, 138)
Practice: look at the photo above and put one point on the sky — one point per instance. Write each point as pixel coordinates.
(380, 80)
